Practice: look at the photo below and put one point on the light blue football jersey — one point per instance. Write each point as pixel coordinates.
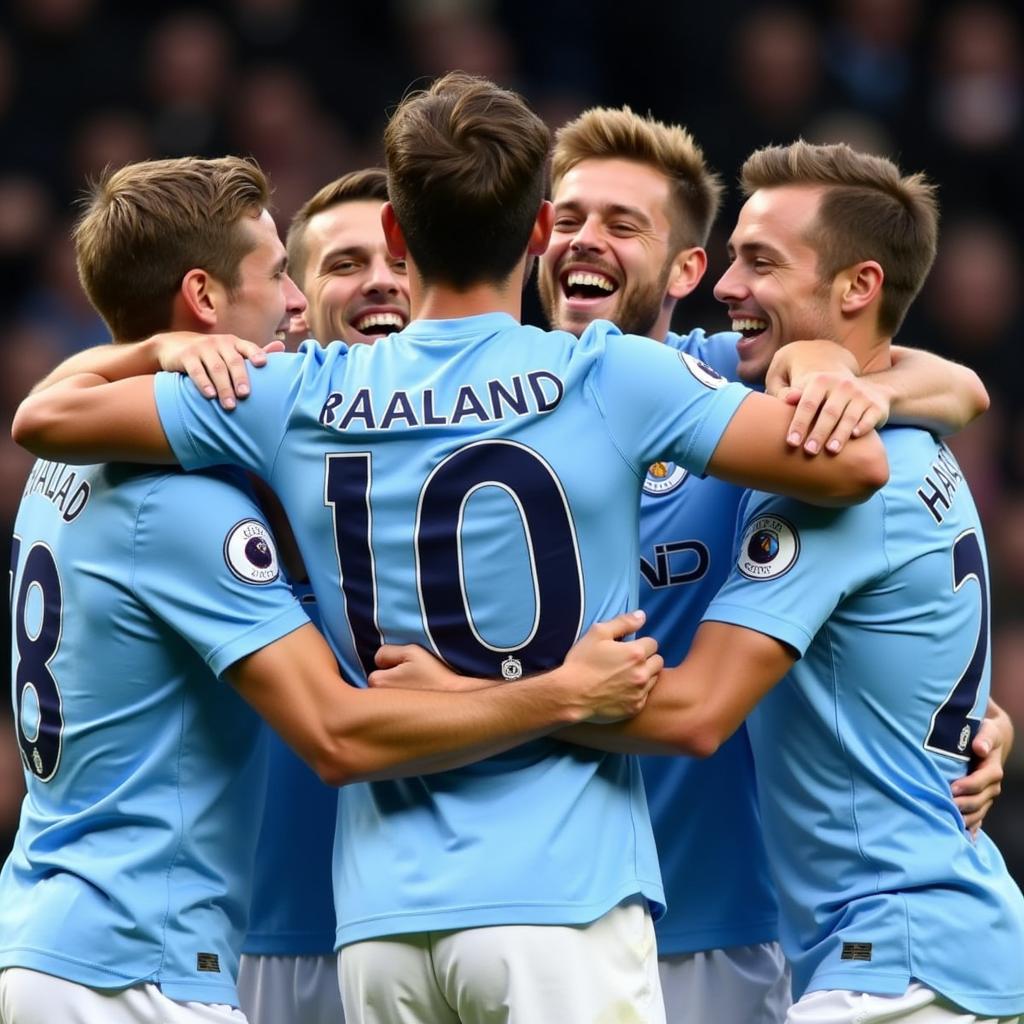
(131, 589)
(856, 748)
(292, 909)
(705, 814)
(473, 486)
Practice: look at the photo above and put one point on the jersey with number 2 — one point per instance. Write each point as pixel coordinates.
(887, 602)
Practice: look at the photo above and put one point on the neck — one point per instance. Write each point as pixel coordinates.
(439, 301)
(660, 328)
(872, 349)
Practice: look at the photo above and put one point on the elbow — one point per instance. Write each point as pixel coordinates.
(874, 472)
(865, 471)
(333, 762)
(698, 737)
(28, 428)
(980, 398)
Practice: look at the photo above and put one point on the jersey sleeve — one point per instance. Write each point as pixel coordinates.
(795, 563)
(206, 564)
(660, 403)
(717, 350)
(201, 433)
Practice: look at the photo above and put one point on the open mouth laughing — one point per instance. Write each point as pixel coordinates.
(584, 285)
(377, 323)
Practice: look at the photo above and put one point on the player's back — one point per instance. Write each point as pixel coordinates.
(143, 770)
(878, 880)
(473, 485)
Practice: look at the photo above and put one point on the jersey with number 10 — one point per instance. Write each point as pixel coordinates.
(878, 881)
(473, 485)
(131, 588)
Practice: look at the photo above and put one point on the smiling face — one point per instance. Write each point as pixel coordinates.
(610, 251)
(266, 298)
(772, 288)
(357, 292)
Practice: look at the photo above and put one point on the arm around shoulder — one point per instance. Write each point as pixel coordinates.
(86, 419)
(753, 453)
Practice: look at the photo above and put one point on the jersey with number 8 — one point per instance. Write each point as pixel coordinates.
(856, 748)
(472, 485)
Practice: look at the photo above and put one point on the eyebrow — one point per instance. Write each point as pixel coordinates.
(613, 209)
(754, 249)
(345, 250)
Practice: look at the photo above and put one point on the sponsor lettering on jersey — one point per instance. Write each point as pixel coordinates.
(250, 553)
(769, 549)
(533, 393)
(940, 484)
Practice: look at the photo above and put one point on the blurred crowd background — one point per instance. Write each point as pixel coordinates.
(305, 87)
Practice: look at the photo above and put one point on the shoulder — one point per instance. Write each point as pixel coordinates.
(716, 350)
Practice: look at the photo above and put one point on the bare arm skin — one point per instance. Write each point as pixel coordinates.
(699, 704)
(215, 362)
(832, 406)
(348, 735)
(753, 453)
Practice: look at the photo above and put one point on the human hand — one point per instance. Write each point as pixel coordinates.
(832, 402)
(410, 667)
(215, 363)
(614, 677)
(975, 793)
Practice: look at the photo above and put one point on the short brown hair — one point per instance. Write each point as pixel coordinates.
(146, 225)
(369, 183)
(869, 211)
(467, 172)
(604, 133)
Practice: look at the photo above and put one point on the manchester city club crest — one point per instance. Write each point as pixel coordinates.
(250, 554)
(663, 477)
(769, 549)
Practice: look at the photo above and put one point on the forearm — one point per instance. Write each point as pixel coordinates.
(696, 706)
(398, 734)
(931, 392)
(109, 362)
(84, 419)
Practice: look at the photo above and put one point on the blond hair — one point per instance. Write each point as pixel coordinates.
(869, 211)
(605, 133)
(147, 224)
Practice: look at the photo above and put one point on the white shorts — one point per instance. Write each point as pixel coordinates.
(918, 1005)
(739, 985)
(31, 997)
(285, 989)
(599, 973)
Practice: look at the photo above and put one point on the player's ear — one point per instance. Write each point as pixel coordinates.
(686, 270)
(393, 234)
(859, 286)
(199, 296)
(541, 233)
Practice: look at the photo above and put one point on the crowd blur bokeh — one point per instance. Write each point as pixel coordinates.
(305, 87)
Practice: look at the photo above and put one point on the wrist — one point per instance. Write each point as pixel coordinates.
(562, 684)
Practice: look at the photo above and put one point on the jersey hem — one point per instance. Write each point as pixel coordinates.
(705, 940)
(81, 972)
(297, 944)
(459, 918)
